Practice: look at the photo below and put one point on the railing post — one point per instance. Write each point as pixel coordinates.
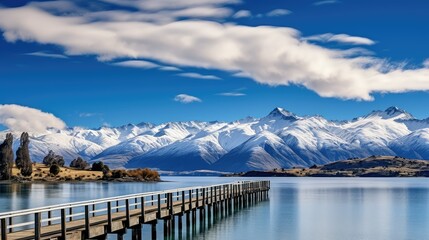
(87, 222)
(196, 193)
(202, 208)
(127, 211)
(211, 195)
(70, 214)
(49, 217)
(142, 202)
(37, 225)
(63, 224)
(159, 206)
(3, 229)
(190, 200)
(204, 197)
(183, 201)
(215, 207)
(10, 224)
(109, 217)
(170, 199)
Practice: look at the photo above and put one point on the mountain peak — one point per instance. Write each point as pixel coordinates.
(394, 110)
(282, 113)
(391, 113)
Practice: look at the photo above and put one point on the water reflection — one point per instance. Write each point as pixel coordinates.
(298, 209)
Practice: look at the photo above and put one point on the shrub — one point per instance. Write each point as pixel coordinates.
(54, 169)
(79, 163)
(100, 166)
(119, 174)
(144, 174)
(97, 166)
(53, 159)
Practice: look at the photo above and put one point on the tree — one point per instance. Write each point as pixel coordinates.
(53, 158)
(23, 160)
(79, 163)
(6, 158)
(54, 169)
(100, 166)
(97, 166)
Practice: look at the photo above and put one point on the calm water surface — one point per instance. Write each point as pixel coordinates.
(298, 208)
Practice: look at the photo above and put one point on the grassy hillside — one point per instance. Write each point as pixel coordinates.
(41, 173)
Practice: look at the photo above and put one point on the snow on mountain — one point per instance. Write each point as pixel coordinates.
(264, 151)
(393, 113)
(154, 138)
(414, 145)
(280, 139)
(313, 139)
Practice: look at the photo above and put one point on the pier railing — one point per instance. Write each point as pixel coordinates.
(94, 218)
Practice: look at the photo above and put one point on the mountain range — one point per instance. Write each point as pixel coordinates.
(279, 140)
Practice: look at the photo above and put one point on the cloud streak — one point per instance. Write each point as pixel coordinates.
(136, 64)
(242, 14)
(26, 119)
(326, 2)
(340, 38)
(198, 76)
(87, 115)
(278, 12)
(275, 56)
(232, 94)
(48, 55)
(185, 98)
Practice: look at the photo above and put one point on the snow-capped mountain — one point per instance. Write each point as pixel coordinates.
(279, 140)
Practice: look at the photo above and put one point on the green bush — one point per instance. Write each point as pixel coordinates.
(54, 169)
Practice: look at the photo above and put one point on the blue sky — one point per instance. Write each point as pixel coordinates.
(86, 86)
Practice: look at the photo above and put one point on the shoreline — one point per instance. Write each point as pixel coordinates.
(82, 181)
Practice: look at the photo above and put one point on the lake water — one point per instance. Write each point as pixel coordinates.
(298, 208)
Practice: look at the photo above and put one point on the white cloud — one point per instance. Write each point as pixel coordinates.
(326, 2)
(26, 119)
(185, 98)
(340, 38)
(269, 55)
(49, 55)
(232, 94)
(136, 64)
(426, 63)
(278, 12)
(198, 76)
(242, 14)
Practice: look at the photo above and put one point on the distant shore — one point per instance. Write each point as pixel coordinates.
(374, 166)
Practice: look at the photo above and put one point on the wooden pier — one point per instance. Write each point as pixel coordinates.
(97, 218)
